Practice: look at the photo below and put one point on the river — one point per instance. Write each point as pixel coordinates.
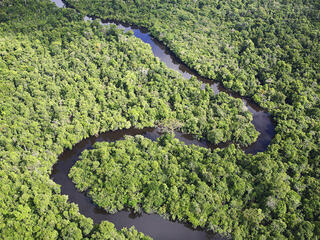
(152, 224)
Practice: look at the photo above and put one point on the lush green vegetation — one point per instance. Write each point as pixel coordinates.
(267, 50)
(61, 80)
(207, 188)
(185, 183)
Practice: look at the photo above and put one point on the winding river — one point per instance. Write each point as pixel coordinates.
(152, 224)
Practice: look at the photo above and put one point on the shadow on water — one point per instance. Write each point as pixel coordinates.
(152, 224)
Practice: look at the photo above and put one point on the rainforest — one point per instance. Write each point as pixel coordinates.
(154, 119)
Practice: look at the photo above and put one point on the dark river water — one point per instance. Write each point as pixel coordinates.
(152, 224)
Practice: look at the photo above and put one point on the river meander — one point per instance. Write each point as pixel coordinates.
(152, 224)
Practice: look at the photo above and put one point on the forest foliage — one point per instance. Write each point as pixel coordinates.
(62, 79)
(266, 50)
(179, 182)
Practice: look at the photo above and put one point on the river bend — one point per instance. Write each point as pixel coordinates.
(152, 224)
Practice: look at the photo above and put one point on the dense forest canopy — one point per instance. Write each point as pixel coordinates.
(186, 183)
(269, 51)
(265, 49)
(63, 79)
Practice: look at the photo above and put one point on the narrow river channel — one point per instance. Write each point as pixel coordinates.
(152, 224)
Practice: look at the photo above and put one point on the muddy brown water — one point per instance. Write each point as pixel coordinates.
(152, 224)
